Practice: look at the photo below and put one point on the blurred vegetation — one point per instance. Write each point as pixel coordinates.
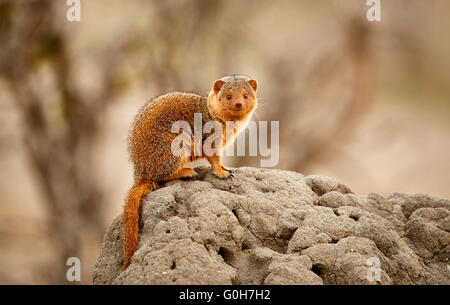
(320, 66)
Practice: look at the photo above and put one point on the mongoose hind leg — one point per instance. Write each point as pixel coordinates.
(182, 173)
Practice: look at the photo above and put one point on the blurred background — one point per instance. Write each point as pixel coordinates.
(364, 102)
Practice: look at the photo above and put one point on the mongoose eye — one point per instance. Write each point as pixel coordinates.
(246, 96)
(229, 97)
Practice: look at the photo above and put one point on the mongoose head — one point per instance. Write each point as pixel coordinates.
(233, 97)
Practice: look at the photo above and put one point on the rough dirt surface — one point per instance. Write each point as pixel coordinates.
(279, 227)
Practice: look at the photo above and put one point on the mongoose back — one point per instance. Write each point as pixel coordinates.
(231, 99)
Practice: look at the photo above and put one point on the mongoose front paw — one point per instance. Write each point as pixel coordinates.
(222, 174)
(228, 170)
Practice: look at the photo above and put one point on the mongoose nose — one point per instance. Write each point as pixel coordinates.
(238, 105)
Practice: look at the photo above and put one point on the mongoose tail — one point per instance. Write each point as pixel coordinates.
(131, 219)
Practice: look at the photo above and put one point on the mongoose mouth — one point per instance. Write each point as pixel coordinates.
(239, 109)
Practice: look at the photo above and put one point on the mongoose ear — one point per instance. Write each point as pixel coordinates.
(217, 85)
(254, 84)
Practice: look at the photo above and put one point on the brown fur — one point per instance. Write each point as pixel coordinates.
(151, 137)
